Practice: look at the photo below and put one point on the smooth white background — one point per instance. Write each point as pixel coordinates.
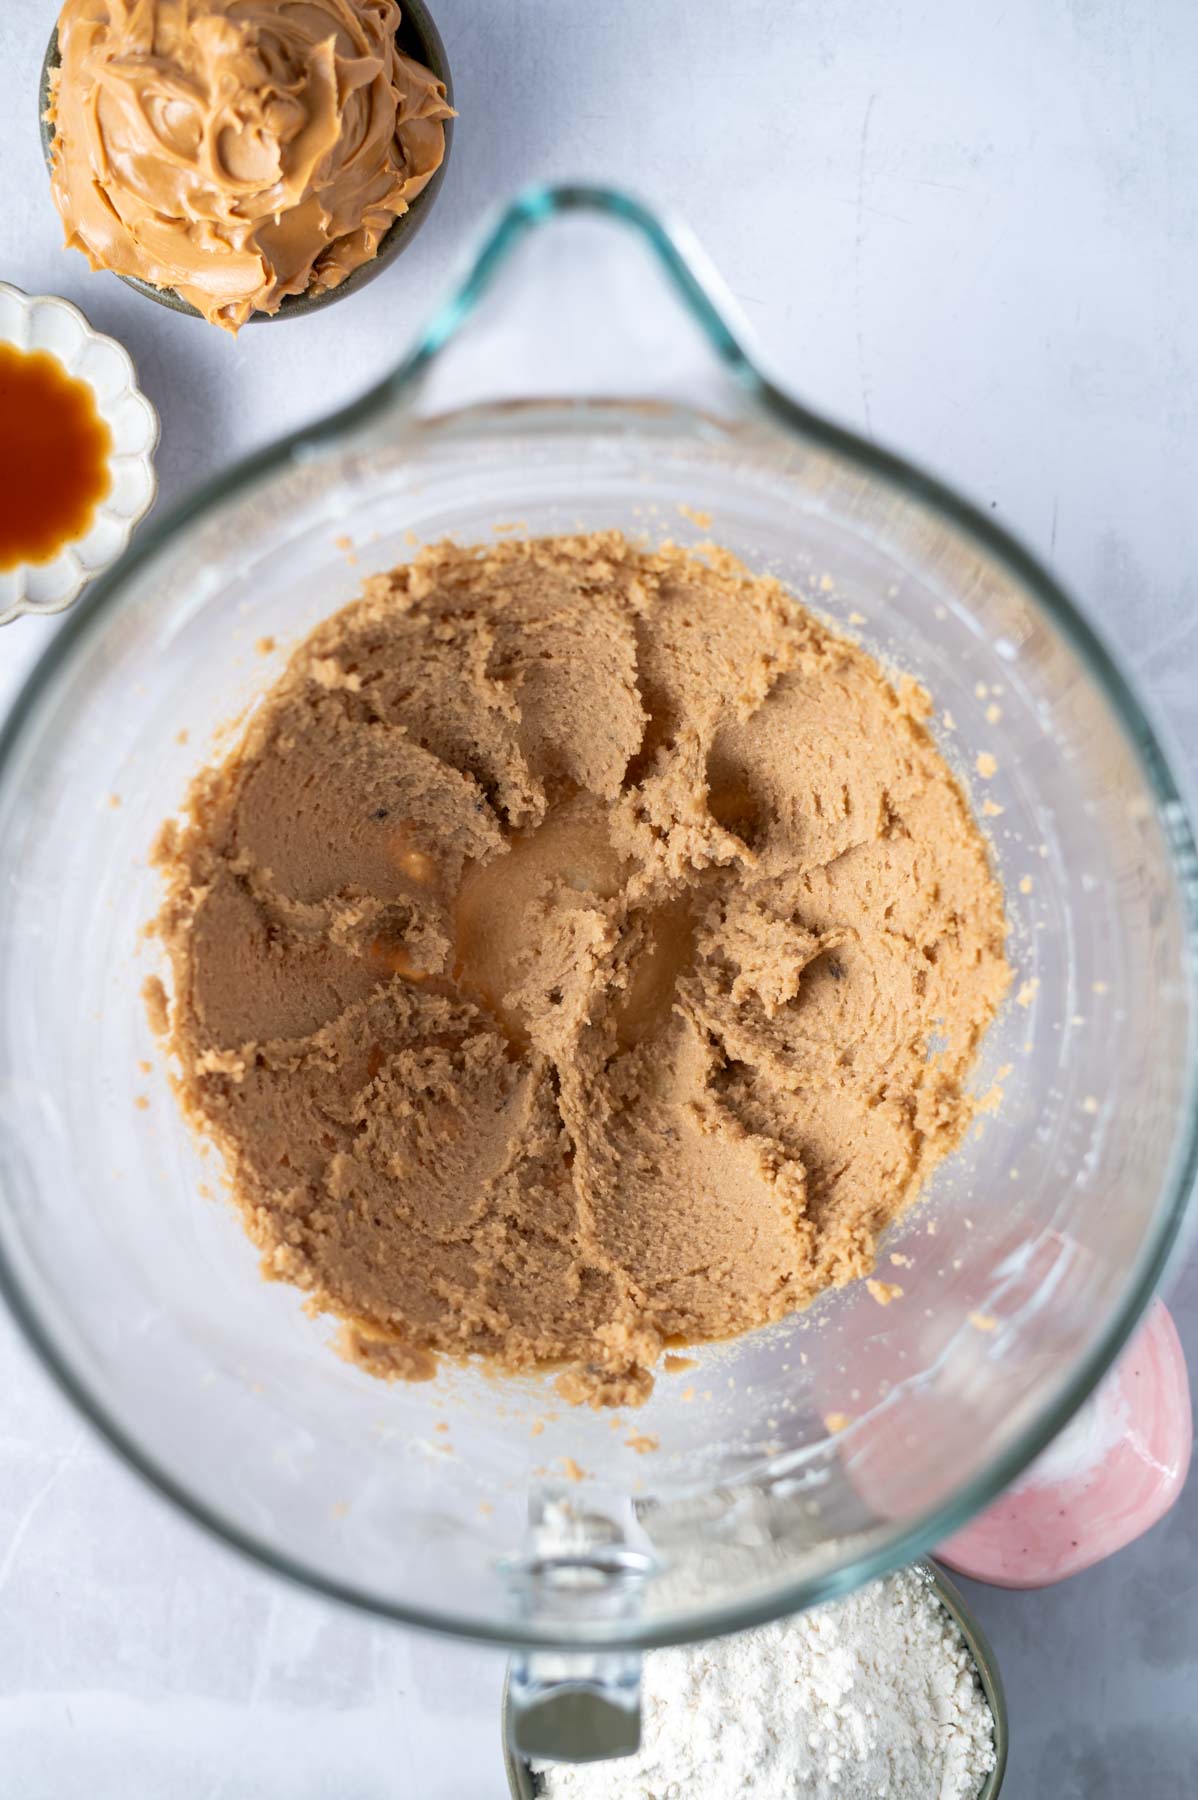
(970, 230)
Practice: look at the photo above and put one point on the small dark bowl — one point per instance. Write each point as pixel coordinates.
(417, 37)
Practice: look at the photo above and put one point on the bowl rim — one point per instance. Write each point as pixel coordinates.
(417, 36)
(702, 296)
(519, 1776)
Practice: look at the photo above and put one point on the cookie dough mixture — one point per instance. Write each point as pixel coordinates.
(584, 950)
(238, 151)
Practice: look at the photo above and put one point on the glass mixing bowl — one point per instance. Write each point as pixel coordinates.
(792, 1463)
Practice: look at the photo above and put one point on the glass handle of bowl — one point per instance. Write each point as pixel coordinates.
(583, 1572)
(576, 291)
(573, 1706)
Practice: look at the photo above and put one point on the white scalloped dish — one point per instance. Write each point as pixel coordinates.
(44, 322)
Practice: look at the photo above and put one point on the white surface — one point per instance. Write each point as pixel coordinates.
(970, 230)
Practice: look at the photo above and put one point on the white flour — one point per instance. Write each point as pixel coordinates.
(872, 1698)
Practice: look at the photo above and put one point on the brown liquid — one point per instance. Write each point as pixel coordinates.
(54, 451)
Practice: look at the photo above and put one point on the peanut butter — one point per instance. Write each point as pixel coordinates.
(238, 151)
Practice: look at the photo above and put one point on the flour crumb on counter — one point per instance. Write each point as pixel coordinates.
(643, 1442)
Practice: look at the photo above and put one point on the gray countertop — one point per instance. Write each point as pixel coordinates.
(971, 231)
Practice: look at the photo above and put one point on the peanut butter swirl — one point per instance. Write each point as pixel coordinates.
(238, 151)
